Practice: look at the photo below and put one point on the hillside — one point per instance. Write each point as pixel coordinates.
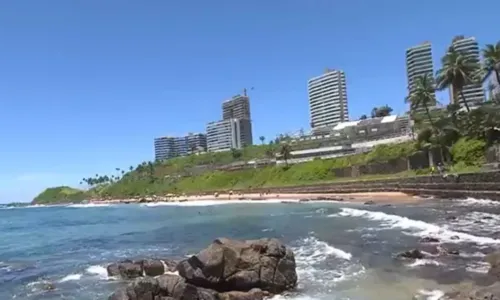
(60, 194)
(158, 179)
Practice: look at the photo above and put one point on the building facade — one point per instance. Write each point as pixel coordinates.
(473, 93)
(168, 147)
(227, 134)
(236, 108)
(328, 99)
(418, 64)
(196, 142)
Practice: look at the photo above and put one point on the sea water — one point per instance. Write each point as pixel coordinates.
(342, 251)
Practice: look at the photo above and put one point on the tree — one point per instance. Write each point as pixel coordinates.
(285, 152)
(131, 168)
(422, 96)
(457, 71)
(382, 111)
(363, 117)
(262, 139)
(235, 153)
(491, 61)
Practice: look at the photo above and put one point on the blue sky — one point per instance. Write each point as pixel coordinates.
(85, 85)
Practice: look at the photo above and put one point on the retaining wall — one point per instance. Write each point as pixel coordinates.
(485, 185)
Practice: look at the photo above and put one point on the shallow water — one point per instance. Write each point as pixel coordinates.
(343, 251)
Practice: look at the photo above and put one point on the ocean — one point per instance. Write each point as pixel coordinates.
(343, 251)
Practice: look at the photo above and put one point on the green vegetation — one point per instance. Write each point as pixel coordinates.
(460, 135)
(61, 194)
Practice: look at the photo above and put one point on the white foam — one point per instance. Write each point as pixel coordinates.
(100, 271)
(432, 295)
(479, 202)
(89, 205)
(215, 202)
(71, 277)
(417, 227)
(424, 262)
(319, 250)
(480, 267)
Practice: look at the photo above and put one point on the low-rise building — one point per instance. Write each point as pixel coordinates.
(168, 147)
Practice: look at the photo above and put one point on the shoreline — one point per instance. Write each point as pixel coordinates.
(371, 197)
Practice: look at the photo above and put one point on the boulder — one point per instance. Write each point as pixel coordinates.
(494, 260)
(126, 269)
(254, 294)
(411, 254)
(369, 202)
(231, 265)
(469, 291)
(164, 287)
(429, 239)
(153, 267)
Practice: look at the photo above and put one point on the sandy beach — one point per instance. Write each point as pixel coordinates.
(374, 197)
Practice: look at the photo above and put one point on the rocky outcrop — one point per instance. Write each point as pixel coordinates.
(411, 254)
(226, 270)
(128, 269)
(229, 265)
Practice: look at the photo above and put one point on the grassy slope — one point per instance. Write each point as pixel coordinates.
(61, 194)
(161, 181)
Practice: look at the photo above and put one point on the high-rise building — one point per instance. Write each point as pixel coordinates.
(237, 107)
(164, 148)
(169, 147)
(225, 135)
(473, 93)
(328, 99)
(196, 142)
(418, 64)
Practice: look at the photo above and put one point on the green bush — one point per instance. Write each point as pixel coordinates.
(469, 152)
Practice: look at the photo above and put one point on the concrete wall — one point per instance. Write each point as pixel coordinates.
(484, 185)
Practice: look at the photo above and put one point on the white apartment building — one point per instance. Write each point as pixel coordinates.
(473, 93)
(225, 135)
(328, 99)
(418, 64)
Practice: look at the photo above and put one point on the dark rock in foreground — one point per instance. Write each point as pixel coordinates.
(128, 269)
(226, 270)
(411, 254)
(230, 265)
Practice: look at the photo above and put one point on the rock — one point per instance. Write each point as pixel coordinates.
(472, 292)
(304, 200)
(455, 237)
(164, 287)
(254, 294)
(494, 260)
(153, 267)
(126, 269)
(411, 254)
(428, 239)
(370, 202)
(451, 218)
(231, 265)
(453, 252)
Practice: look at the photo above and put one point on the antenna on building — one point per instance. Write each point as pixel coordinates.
(245, 91)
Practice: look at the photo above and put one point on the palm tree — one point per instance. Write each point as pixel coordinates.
(458, 70)
(131, 168)
(363, 117)
(422, 96)
(285, 151)
(491, 60)
(262, 139)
